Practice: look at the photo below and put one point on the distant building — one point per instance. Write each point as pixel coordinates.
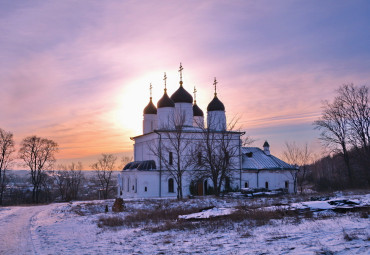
(148, 176)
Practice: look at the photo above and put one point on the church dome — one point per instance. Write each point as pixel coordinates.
(150, 108)
(165, 101)
(215, 105)
(197, 111)
(181, 96)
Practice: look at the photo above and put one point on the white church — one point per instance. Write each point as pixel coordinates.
(168, 155)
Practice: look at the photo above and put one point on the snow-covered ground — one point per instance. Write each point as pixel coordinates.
(71, 228)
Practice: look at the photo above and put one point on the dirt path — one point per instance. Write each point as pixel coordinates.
(15, 233)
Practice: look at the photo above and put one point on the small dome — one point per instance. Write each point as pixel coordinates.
(197, 111)
(215, 105)
(165, 101)
(266, 144)
(181, 96)
(150, 108)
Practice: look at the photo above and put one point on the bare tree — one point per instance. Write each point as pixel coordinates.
(173, 149)
(103, 169)
(334, 131)
(217, 154)
(356, 103)
(6, 151)
(68, 180)
(125, 160)
(38, 155)
(301, 157)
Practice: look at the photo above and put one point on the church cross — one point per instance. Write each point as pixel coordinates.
(150, 88)
(195, 94)
(180, 71)
(215, 84)
(165, 82)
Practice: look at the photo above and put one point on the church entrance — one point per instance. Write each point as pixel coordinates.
(200, 188)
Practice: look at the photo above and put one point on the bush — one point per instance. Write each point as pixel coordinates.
(118, 205)
(113, 221)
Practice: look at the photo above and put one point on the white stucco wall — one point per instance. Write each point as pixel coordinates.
(149, 123)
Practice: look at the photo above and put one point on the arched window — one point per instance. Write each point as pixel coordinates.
(286, 184)
(266, 185)
(246, 185)
(170, 186)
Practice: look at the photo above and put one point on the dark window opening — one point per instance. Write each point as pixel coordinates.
(199, 158)
(266, 185)
(246, 185)
(170, 158)
(133, 187)
(170, 186)
(286, 184)
(227, 158)
(146, 189)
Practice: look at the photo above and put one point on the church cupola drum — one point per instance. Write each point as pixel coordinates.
(150, 116)
(183, 104)
(216, 118)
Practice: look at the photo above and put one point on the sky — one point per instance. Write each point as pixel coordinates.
(78, 72)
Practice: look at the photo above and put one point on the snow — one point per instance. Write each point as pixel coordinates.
(206, 214)
(71, 228)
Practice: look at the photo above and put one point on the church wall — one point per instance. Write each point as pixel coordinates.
(142, 149)
(165, 117)
(216, 120)
(198, 121)
(276, 179)
(149, 123)
(184, 113)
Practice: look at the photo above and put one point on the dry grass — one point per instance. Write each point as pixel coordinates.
(110, 221)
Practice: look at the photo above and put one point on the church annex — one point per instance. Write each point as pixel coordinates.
(179, 153)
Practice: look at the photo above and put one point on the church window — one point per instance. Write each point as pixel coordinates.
(227, 157)
(170, 158)
(128, 185)
(133, 187)
(246, 185)
(171, 186)
(199, 158)
(146, 189)
(286, 184)
(266, 185)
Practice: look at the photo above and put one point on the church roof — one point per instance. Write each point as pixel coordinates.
(141, 165)
(215, 105)
(255, 159)
(150, 108)
(181, 96)
(197, 111)
(165, 101)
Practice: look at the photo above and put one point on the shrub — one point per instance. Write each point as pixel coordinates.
(112, 221)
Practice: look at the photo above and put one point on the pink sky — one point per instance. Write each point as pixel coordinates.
(78, 72)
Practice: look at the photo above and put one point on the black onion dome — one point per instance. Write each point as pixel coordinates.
(181, 96)
(215, 105)
(197, 111)
(150, 108)
(266, 144)
(165, 101)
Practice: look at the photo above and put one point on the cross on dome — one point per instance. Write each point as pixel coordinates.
(215, 84)
(195, 95)
(150, 88)
(180, 71)
(165, 82)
